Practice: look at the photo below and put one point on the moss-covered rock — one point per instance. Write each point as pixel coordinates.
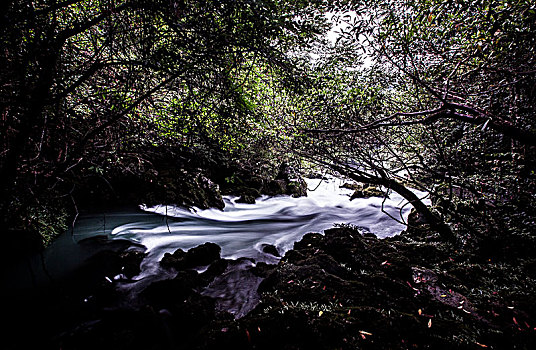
(275, 188)
(366, 191)
(297, 188)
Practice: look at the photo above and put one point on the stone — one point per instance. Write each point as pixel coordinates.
(275, 187)
(350, 186)
(297, 188)
(201, 255)
(247, 199)
(271, 249)
(367, 192)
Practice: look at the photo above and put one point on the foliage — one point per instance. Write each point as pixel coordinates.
(87, 85)
(436, 95)
(428, 94)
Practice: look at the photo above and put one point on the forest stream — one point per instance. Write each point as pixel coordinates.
(241, 230)
(269, 275)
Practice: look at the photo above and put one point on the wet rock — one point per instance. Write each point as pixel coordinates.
(367, 192)
(166, 293)
(247, 191)
(285, 173)
(130, 262)
(247, 199)
(243, 182)
(111, 258)
(275, 188)
(254, 182)
(351, 186)
(235, 290)
(374, 293)
(297, 188)
(209, 193)
(311, 239)
(287, 182)
(271, 249)
(215, 269)
(294, 185)
(337, 290)
(201, 255)
(262, 269)
(170, 177)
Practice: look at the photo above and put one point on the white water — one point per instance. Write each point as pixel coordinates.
(241, 230)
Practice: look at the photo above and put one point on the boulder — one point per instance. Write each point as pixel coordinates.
(201, 255)
(351, 186)
(287, 182)
(209, 193)
(246, 199)
(297, 188)
(286, 172)
(270, 249)
(247, 195)
(275, 187)
(367, 192)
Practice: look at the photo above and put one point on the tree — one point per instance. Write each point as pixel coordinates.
(445, 105)
(88, 83)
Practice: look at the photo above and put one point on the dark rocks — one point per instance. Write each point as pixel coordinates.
(347, 290)
(209, 195)
(131, 261)
(247, 194)
(248, 186)
(294, 188)
(235, 290)
(110, 259)
(246, 199)
(297, 188)
(291, 181)
(262, 269)
(170, 176)
(337, 290)
(185, 188)
(271, 249)
(275, 187)
(247, 191)
(365, 191)
(168, 293)
(351, 186)
(201, 255)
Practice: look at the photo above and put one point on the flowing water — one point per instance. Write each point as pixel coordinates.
(241, 230)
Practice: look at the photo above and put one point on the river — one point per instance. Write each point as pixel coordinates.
(241, 230)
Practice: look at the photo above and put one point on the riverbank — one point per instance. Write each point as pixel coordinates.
(352, 291)
(344, 289)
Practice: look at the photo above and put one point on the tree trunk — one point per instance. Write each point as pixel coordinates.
(435, 222)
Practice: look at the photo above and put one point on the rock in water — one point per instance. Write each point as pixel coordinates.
(247, 199)
(275, 187)
(271, 249)
(201, 255)
(366, 192)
